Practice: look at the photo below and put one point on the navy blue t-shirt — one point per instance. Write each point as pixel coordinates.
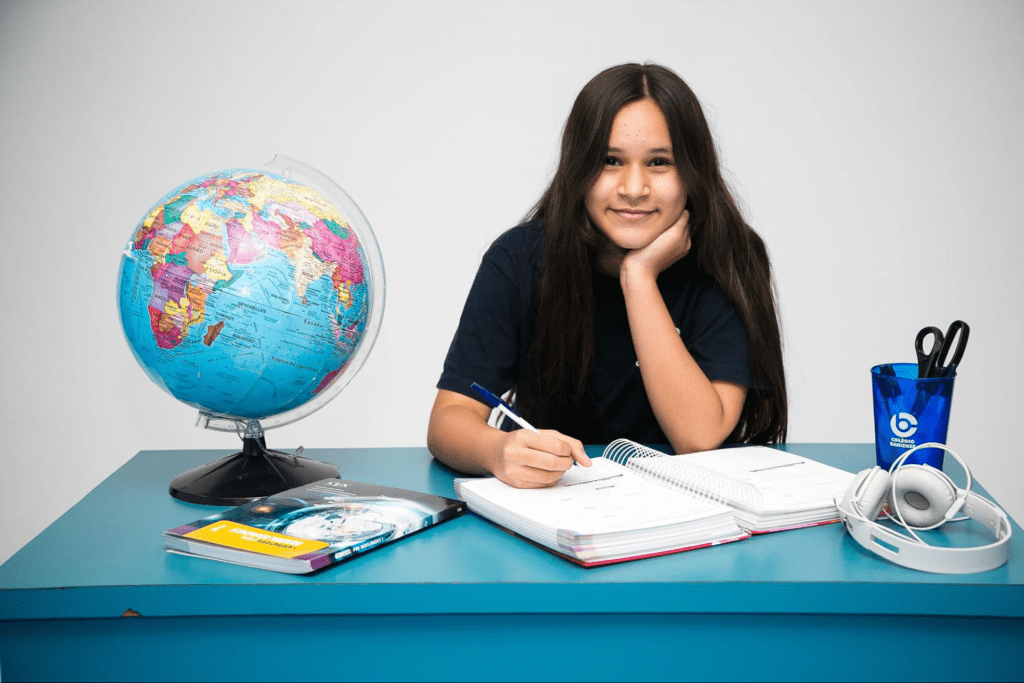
(494, 334)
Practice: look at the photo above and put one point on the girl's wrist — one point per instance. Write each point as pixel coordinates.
(634, 273)
(494, 450)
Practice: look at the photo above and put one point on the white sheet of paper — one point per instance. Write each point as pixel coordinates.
(596, 499)
(786, 480)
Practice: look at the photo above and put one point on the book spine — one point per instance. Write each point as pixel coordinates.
(314, 560)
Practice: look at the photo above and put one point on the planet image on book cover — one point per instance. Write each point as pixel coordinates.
(340, 520)
(254, 296)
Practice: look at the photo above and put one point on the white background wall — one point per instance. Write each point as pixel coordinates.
(876, 146)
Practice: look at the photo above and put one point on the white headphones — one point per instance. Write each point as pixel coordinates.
(923, 498)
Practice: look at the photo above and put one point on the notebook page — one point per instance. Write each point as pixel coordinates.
(787, 481)
(602, 498)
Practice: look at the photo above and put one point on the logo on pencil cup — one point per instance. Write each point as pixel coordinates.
(903, 425)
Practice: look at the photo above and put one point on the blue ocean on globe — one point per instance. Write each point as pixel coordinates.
(244, 293)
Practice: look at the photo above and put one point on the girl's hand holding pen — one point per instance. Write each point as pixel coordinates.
(529, 458)
(535, 459)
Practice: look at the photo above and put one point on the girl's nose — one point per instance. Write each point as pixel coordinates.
(634, 183)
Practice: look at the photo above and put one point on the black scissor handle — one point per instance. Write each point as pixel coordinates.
(940, 367)
(926, 361)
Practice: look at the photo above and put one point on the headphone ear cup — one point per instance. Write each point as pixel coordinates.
(867, 493)
(924, 494)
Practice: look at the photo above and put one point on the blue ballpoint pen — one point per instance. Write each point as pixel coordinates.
(503, 407)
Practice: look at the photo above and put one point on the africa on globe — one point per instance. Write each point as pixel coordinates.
(251, 295)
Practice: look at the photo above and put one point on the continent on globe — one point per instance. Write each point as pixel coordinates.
(266, 267)
(212, 331)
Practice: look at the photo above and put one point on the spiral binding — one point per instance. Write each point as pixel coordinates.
(688, 476)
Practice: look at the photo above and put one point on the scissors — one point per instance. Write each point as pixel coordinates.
(933, 363)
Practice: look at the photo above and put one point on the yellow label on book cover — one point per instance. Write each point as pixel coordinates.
(255, 540)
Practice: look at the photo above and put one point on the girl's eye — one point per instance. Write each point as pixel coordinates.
(611, 161)
(660, 161)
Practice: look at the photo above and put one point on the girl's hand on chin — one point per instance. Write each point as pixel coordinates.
(666, 249)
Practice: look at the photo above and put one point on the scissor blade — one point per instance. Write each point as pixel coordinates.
(941, 368)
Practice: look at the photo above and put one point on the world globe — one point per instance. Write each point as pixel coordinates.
(254, 296)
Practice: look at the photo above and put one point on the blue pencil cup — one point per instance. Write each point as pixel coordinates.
(909, 411)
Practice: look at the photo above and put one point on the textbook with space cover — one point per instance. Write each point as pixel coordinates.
(636, 502)
(310, 527)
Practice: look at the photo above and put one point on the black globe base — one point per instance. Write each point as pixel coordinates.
(253, 473)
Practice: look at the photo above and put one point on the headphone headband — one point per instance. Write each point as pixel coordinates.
(913, 552)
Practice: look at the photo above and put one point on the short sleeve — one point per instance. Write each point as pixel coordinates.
(716, 338)
(488, 344)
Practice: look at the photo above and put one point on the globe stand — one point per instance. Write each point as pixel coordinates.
(254, 472)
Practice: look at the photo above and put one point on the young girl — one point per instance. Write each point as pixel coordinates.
(636, 302)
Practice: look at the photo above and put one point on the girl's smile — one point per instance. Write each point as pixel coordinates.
(632, 214)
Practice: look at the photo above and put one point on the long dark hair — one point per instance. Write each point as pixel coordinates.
(563, 349)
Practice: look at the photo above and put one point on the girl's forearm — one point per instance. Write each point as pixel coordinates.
(695, 413)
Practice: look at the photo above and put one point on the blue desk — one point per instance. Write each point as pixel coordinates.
(466, 600)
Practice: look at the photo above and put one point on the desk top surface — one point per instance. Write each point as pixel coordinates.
(105, 556)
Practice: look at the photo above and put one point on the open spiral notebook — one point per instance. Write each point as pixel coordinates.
(637, 502)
